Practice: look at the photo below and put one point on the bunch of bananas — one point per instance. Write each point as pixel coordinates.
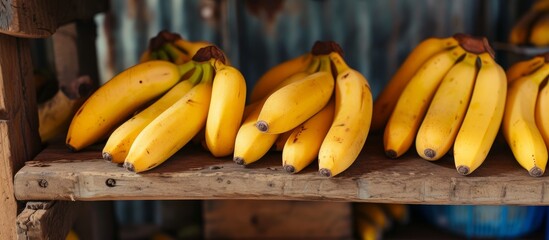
(532, 27)
(526, 118)
(372, 220)
(448, 93)
(174, 103)
(169, 46)
(314, 106)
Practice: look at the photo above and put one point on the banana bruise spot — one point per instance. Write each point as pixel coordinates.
(430, 153)
(463, 170)
(325, 172)
(536, 172)
(238, 160)
(107, 156)
(128, 166)
(262, 126)
(289, 168)
(391, 154)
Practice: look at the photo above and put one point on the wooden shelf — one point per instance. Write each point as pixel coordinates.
(193, 174)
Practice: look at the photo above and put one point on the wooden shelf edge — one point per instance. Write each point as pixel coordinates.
(56, 174)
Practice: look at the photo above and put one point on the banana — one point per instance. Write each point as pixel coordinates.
(441, 123)
(294, 103)
(173, 128)
(386, 101)
(352, 117)
(145, 56)
(367, 230)
(541, 112)
(190, 47)
(523, 68)
(252, 144)
(267, 82)
(303, 145)
(412, 104)
(281, 140)
(119, 142)
(55, 114)
(121, 96)
(174, 54)
(226, 110)
(374, 213)
(519, 32)
(539, 34)
(398, 212)
(519, 124)
(483, 118)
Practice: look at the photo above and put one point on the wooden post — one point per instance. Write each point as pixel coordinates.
(42, 220)
(19, 140)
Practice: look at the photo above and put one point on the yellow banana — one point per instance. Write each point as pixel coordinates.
(412, 104)
(226, 110)
(191, 47)
(367, 230)
(119, 142)
(483, 118)
(252, 144)
(542, 110)
(519, 124)
(173, 128)
(523, 68)
(519, 31)
(55, 114)
(352, 117)
(121, 96)
(281, 140)
(270, 79)
(174, 54)
(441, 123)
(294, 103)
(303, 145)
(145, 56)
(386, 101)
(539, 34)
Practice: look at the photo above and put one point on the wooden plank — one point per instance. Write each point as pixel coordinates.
(46, 220)
(251, 219)
(193, 174)
(19, 139)
(41, 18)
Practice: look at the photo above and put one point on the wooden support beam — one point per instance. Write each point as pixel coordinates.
(46, 220)
(19, 140)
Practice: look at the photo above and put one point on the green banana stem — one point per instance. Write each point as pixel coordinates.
(186, 67)
(197, 74)
(339, 62)
(325, 65)
(154, 55)
(172, 51)
(163, 55)
(313, 66)
(208, 74)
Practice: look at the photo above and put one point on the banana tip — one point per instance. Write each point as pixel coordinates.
(262, 126)
(71, 148)
(239, 160)
(536, 172)
(463, 170)
(391, 154)
(325, 172)
(289, 168)
(107, 156)
(128, 166)
(430, 153)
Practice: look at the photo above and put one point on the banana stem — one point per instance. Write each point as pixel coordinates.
(154, 55)
(325, 65)
(163, 55)
(338, 62)
(208, 72)
(314, 65)
(197, 75)
(175, 53)
(186, 67)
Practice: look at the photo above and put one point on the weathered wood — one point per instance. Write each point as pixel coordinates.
(46, 220)
(40, 18)
(193, 174)
(19, 139)
(250, 219)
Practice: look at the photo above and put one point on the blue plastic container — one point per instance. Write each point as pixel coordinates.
(485, 221)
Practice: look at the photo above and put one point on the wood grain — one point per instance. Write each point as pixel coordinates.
(19, 139)
(40, 18)
(46, 220)
(193, 174)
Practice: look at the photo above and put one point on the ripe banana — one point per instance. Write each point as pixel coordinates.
(539, 35)
(55, 114)
(519, 124)
(173, 128)
(281, 140)
(542, 110)
(303, 145)
(367, 230)
(190, 47)
(386, 101)
(522, 30)
(441, 123)
(412, 104)
(483, 118)
(121, 96)
(352, 117)
(523, 68)
(288, 107)
(267, 82)
(119, 142)
(252, 144)
(226, 110)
